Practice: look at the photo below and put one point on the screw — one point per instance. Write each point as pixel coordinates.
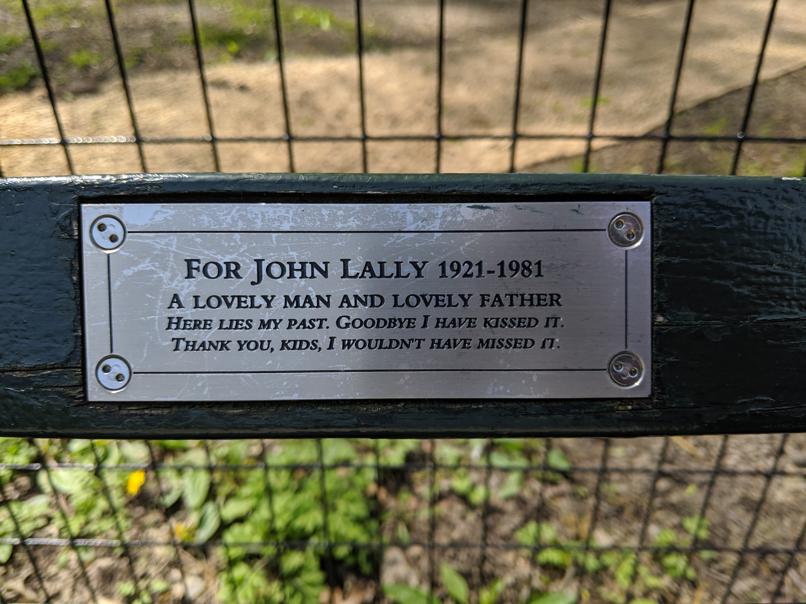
(113, 373)
(626, 369)
(108, 233)
(626, 230)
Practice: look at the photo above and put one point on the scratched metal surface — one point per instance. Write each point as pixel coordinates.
(603, 296)
(728, 321)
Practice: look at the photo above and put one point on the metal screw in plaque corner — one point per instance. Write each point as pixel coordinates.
(113, 373)
(626, 230)
(108, 233)
(626, 369)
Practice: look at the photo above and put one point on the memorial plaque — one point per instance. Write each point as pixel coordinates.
(281, 301)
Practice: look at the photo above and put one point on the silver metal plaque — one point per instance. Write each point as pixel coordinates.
(275, 301)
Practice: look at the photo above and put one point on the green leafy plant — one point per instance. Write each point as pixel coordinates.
(454, 584)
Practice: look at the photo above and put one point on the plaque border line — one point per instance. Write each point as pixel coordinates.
(362, 232)
(365, 232)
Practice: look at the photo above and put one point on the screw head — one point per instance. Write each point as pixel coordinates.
(626, 369)
(108, 233)
(626, 230)
(113, 373)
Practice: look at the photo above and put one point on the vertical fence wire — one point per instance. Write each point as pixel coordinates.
(540, 509)
(440, 94)
(279, 48)
(601, 476)
(485, 514)
(279, 550)
(205, 89)
(43, 70)
(155, 469)
(124, 81)
(516, 102)
(597, 85)
(790, 562)
(431, 467)
(40, 579)
(65, 520)
(751, 95)
(713, 475)
(362, 108)
(678, 74)
(229, 574)
(380, 547)
(648, 509)
(116, 519)
(325, 504)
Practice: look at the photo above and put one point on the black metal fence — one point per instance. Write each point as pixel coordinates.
(667, 135)
(689, 519)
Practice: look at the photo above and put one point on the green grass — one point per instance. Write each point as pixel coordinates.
(228, 29)
(17, 77)
(717, 127)
(9, 42)
(84, 58)
(247, 25)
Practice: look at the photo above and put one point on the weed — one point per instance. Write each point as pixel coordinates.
(9, 42)
(84, 58)
(717, 127)
(17, 77)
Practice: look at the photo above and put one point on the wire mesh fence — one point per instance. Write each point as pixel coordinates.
(431, 86)
(688, 519)
(422, 86)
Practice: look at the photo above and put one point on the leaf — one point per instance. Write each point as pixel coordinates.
(208, 523)
(338, 450)
(557, 597)
(527, 534)
(237, 508)
(135, 481)
(491, 593)
(461, 483)
(553, 556)
(195, 486)
(67, 480)
(558, 461)
(134, 451)
(403, 594)
(697, 526)
(666, 538)
(454, 584)
(5, 552)
(625, 570)
(478, 495)
(512, 486)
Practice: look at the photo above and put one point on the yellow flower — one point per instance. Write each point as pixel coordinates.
(181, 532)
(135, 482)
